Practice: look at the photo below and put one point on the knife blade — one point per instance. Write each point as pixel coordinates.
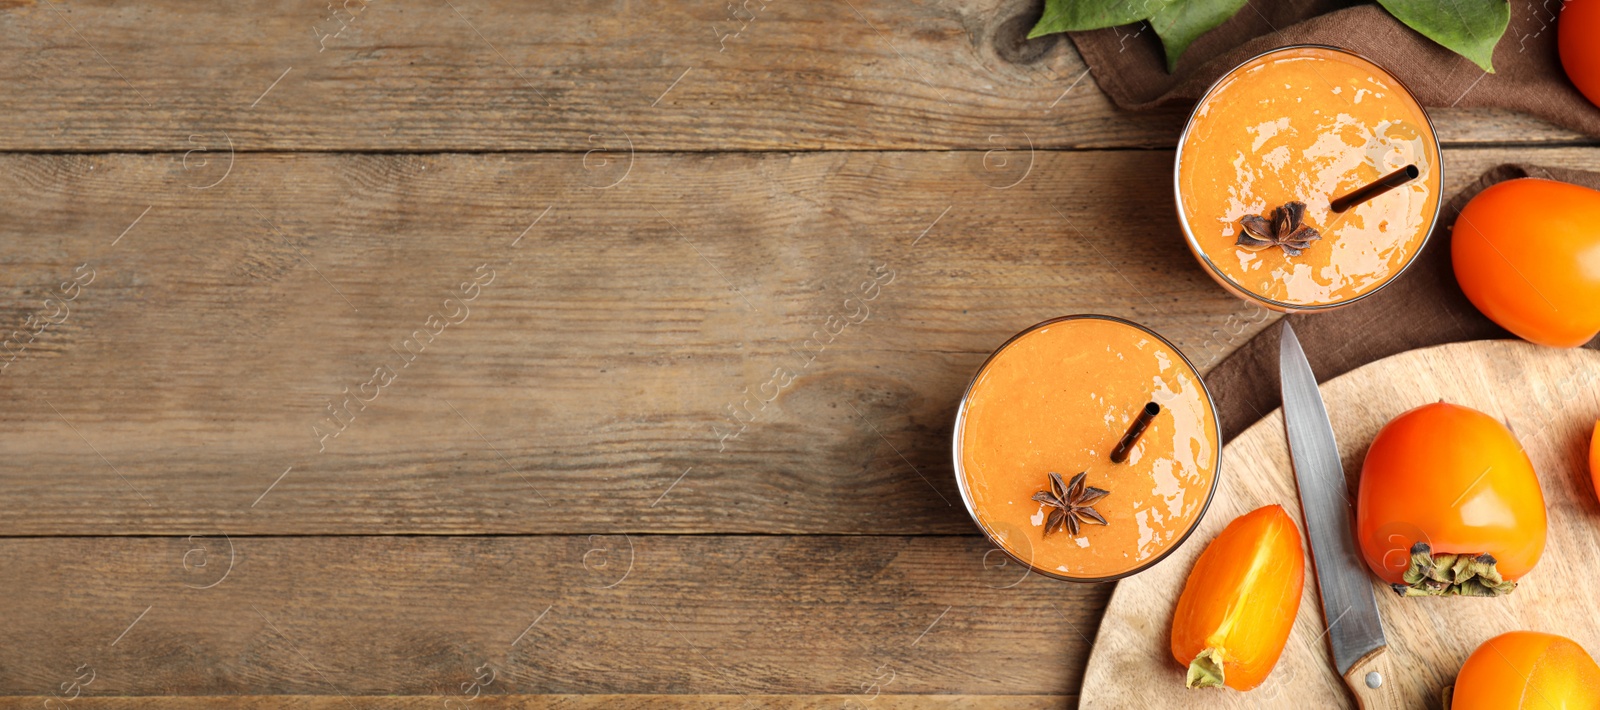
(1349, 609)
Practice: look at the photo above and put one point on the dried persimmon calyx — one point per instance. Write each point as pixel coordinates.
(1205, 671)
(1445, 574)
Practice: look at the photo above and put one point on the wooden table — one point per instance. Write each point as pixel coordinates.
(400, 353)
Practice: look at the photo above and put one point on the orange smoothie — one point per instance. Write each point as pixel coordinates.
(1058, 398)
(1307, 125)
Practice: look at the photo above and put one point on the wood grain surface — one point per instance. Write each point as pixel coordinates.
(480, 75)
(611, 372)
(744, 257)
(858, 617)
(560, 702)
(590, 388)
(1548, 398)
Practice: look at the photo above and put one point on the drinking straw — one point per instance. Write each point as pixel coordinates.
(1140, 423)
(1377, 187)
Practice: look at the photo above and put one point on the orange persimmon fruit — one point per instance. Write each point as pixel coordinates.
(1239, 602)
(1580, 54)
(1526, 669)
(1527, 254)
(1449, 504)
(1594, 458)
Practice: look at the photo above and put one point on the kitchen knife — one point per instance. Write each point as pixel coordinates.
(1348, 607)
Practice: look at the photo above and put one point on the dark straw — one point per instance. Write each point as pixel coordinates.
(1140, 423)
(1382, 185)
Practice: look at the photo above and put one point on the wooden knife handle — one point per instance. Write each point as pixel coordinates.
(1373, 682)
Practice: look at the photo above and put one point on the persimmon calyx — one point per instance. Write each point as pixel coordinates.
(1205, 671)
(1444, 574)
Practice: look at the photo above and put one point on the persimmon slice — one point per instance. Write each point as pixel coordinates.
(1239, 602)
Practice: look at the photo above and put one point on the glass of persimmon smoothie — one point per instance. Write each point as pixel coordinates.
(1048, 462)
(1273, 155)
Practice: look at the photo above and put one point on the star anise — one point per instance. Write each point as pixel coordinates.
(1070, 502)
(1285, 230)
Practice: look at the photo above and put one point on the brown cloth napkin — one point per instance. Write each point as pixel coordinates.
(1423, 307)
(1130, 67)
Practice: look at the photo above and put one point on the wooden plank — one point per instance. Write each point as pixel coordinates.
(431, 616)
(561, 702)
(467, 75)
(588, 387)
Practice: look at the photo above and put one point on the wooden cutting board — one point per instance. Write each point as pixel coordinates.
(1550, 398)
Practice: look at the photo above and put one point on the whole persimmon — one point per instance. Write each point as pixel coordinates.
(1580, 54)
(1449, 504)
(1527, 254)
(1594, 458)
(1527, 669)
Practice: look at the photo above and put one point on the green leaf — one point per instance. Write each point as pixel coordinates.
(1079, 15)
(1176, 22)
(1470, 28)
(1179, 24)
